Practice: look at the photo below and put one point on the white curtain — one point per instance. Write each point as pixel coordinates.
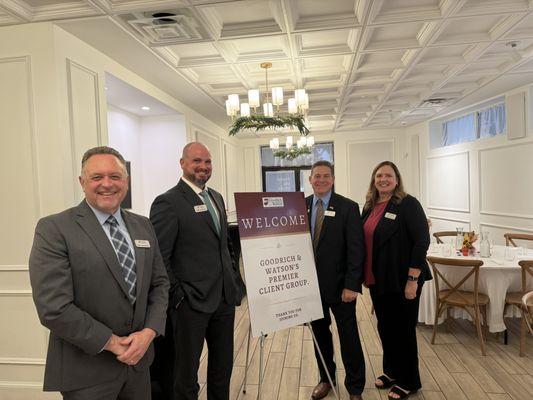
(491, 121)
(459, 130)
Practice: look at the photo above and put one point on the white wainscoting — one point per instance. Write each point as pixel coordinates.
(496, 232)
(212, 141)
(232, 164)
(448, 182)
(505, 181)
(362, 156)
(84, 112)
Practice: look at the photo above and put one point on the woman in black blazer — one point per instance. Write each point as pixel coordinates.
(396, 240)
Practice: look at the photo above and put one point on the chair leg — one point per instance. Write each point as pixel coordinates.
(438, 311)
(505, 337)
(522, 333)
(485, 321)
(477, 322)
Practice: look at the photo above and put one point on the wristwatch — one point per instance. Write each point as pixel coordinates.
(412, 278)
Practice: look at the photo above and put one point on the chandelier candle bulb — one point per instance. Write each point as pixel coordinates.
(229, 111)
(234, 102)
(268, 111)
(253, 98)
(274, 144)
(293, 109)
(245, 110)
(288, 142)
(305, 105)
(277, 96)
(310, 141)
(299, 95)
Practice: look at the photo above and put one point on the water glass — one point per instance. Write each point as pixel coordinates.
(447, 250)
(520, 251)
(509, 253)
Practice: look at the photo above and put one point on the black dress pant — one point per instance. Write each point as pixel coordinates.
(397, 318)
(190, 328)
(351, 351)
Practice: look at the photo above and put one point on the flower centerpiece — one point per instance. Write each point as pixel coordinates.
(469, 239)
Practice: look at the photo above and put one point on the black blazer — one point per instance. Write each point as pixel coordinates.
(340, 251)
(399, 244)
(199, 262)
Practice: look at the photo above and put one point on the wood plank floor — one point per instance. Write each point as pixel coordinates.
(451, 369)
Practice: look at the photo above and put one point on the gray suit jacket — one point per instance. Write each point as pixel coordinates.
(81, 296)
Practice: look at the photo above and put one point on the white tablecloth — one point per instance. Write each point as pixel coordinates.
(497, 276)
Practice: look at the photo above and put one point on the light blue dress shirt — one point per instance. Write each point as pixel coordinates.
(102, 218)
(325, 203)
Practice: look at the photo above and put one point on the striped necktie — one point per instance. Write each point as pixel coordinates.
(125, 256)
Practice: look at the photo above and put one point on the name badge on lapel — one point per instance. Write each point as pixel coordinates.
(329, 213)
(142, 243)
(200, 208)
(390, 216)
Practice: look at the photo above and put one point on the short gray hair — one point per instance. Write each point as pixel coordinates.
(102, 150)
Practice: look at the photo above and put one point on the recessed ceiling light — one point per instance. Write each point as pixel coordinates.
(145, 108)
(105, 87)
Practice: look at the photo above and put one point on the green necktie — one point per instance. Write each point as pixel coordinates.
(211, 209)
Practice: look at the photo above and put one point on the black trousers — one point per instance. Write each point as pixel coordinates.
(190, 328)
(397, 318)
(351, 351)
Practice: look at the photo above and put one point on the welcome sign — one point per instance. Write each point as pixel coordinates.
(279, 265)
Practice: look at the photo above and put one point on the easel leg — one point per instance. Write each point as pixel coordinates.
(247, 359)
(323, 361)
(261, 348)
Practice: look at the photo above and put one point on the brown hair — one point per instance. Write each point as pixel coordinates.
(372, 194)
(323, 163)
(103, 150)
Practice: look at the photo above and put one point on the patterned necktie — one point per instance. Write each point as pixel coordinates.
(125, 256)
(318, 222)
(210, 208)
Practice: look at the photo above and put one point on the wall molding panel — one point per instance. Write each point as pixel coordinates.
(446, 175)
(362, 156)
(84, 113)
(497, 167)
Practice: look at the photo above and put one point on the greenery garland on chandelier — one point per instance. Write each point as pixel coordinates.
(292, 153)
(261, 122)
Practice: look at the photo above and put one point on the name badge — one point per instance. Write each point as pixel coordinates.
(200, 208)
(329, 213)
(390, 216)
(142, 243)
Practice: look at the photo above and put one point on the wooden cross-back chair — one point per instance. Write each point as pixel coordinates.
(527, 304)
(515, 299)
(439, 235)
(510, 238)
(452, 295)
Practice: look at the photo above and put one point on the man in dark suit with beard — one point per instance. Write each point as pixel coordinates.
(337, 233)
(191, 226)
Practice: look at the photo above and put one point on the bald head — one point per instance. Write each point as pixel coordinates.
(196, 163)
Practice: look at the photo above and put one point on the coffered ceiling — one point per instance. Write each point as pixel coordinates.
(364, 63)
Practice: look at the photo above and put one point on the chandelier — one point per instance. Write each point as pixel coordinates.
(248, 116)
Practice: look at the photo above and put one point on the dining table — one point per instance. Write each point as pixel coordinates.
(499, 274)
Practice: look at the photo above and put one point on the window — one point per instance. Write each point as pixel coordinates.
(487, 122)
(281, 175)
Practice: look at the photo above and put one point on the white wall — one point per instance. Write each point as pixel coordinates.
(162, 142)
(55, 110)
(484, 184)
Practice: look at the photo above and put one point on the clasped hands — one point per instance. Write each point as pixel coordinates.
(130, 349)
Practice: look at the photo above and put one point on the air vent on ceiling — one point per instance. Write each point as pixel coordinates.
(167, 27)
(437, 101)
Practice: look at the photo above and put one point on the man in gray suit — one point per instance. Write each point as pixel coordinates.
(100, 286)
(191, 225)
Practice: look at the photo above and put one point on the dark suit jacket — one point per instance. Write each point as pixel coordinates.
(340, 251)
(400, 244)
(198, 261)
(81, 296)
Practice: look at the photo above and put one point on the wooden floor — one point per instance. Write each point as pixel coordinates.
(451, 369)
